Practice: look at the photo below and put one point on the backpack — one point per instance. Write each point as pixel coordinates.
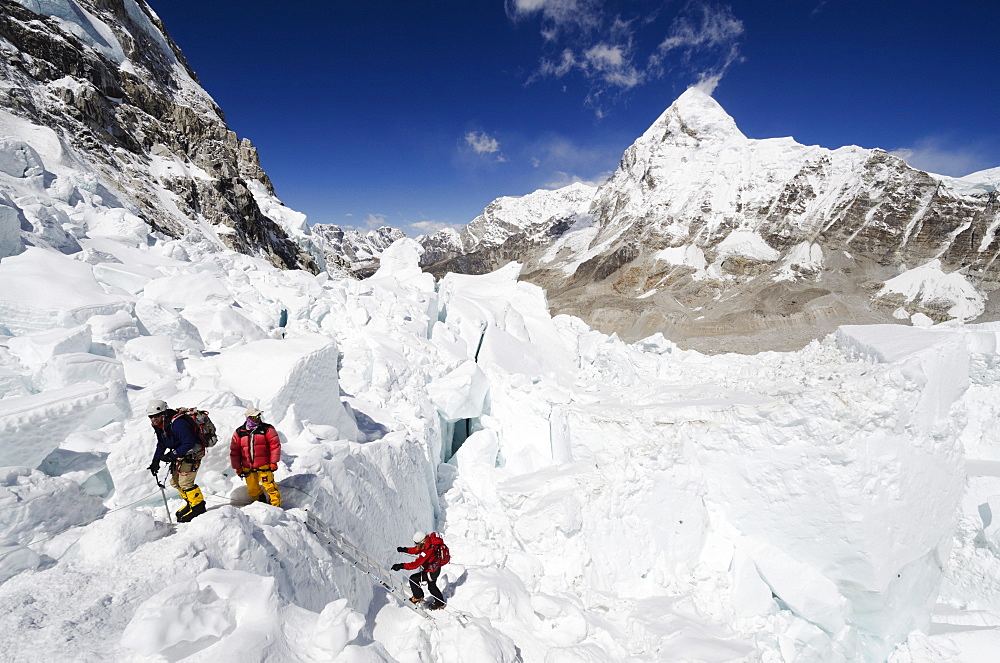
(441, 553)
(202, 424)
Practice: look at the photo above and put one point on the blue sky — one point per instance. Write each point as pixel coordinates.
(419, 114)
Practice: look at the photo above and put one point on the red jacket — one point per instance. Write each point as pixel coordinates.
(255, 449)
(426, 553)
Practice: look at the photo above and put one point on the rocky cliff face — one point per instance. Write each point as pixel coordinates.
(100, 83)
(728, 243)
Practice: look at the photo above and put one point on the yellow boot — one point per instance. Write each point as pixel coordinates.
(195, 505)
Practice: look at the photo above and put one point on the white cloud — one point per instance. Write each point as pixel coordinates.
(565, 179)
(558, 15)
(482, 143)
(374, 221)
(707, 83)
(606, 49)
(561, 162)
(935, 156)
(705, 26)
(707, 38)
(606, 56)
(430, 227)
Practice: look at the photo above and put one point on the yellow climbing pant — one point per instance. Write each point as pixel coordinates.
(262, 482)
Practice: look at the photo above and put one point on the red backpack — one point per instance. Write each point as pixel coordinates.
(439, 548)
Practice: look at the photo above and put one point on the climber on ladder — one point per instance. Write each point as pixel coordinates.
(432, 554)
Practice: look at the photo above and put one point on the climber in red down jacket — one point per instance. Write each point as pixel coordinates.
(254, 453)
(432, 554)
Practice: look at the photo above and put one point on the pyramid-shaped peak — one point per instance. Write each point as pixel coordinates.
(699, 116)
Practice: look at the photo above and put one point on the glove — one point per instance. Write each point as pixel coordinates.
(397, 567)
(272, 467)
(401, 549)
(169, 457)
(154, 467)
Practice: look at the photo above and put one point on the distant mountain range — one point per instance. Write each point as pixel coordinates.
(727, 243)
(718, 241)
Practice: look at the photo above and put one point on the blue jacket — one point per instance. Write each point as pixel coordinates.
(179, 436)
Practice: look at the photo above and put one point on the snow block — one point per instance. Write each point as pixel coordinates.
(70, 369)
(128, 278)
(337, 626)
(184, 290)
(15, 558)
(118, 535)
(937, 361)
(517, 336)
(157, 320)
(157, 351)
(400, 264)
(35, 349)
(276, 374)
(43, 290)
(10, 228)
(750, 594)
(461, 394)
(803, 588)
(200, 610)
(20, 160)
(35, 506)
(222, 326)
(31, 427)
(990, 513)
(113, 329)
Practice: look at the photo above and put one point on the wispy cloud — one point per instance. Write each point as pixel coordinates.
(559, 15)
(561, 162)
(373, 221)
(482, 143)
(706, 40)
(429, 227)
(934, 155)
(615, 53)
(565, 179)
(818, 8)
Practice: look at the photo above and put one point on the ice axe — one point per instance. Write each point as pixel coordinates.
(163, 491)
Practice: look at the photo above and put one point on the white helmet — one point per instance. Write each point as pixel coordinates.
(418, 537)
(156, 407)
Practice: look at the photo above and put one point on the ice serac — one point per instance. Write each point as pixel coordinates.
(100, 88)
(723, 242)
(300, 372)
(874, 505)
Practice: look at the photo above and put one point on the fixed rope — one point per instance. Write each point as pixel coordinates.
(354, 556)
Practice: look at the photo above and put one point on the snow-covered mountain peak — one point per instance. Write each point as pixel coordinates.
(692, 119)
